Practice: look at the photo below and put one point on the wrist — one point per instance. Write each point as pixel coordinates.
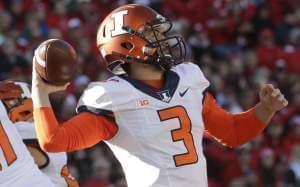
(263, 112)
(266, 108)
(40, 99)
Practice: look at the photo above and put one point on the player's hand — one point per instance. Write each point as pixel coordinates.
(41, 86)
(271, 98)
(40, 90)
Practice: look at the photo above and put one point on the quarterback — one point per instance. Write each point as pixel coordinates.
(154, 111)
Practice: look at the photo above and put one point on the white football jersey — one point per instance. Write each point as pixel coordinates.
(57, 161)
(159, 142)
(17, 168)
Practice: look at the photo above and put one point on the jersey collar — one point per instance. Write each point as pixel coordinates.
(164, 94)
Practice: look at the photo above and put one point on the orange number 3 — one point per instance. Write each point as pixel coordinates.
(9, 153)
(181, 134)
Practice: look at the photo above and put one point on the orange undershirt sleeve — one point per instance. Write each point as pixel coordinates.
(230, 129)
(82, 131)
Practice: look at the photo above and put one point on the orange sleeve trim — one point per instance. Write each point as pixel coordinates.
(230, 129)
(81, 131)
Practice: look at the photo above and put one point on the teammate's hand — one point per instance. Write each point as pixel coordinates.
(271, 98)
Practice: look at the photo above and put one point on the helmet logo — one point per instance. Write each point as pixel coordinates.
(118, 23)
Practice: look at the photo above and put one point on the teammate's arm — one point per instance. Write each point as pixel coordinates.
(40, 157)
(236, 129)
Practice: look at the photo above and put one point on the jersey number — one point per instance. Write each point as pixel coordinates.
(9, 153)
(181, 134)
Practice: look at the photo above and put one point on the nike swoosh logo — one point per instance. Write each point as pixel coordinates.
(183, 93)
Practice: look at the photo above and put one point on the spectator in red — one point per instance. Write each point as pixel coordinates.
(267, 169)
(293, 137)
(10, 60)
(267, 51)
(273, 139)
(292, 177)
(58, 17)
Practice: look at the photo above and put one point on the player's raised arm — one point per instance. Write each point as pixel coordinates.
(236, 129)
(83, 130)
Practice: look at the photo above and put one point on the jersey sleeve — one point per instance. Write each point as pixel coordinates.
(200, 79)
(230, 129)
(192, 75)
(95, 99)
(81, 131)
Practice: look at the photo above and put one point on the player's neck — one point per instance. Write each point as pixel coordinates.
(158, 84)
(153, 76)
(142, 72)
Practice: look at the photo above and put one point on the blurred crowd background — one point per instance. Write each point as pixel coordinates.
(239, 44)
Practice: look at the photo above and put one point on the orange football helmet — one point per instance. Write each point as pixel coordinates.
(17, 99)
(137, 34)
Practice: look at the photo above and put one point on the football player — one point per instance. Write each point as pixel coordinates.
(17, 167)
(154, 111)
(19, 111)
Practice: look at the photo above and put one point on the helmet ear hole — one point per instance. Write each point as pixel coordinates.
(127, 45)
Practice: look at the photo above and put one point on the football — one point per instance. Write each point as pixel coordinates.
(55, 61)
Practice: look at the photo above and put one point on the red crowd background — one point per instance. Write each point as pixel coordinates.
(239, 44)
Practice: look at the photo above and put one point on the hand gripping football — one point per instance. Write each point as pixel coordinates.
(55, 61)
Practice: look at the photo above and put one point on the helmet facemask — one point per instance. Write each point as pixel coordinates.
(166, 51)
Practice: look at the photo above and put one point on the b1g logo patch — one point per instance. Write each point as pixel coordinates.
(143, 102)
